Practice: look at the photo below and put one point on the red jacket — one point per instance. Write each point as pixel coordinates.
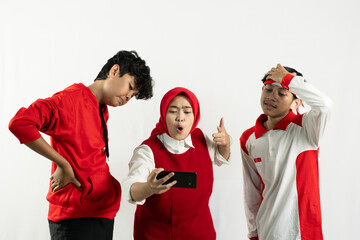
(179, 213)
(71, 119)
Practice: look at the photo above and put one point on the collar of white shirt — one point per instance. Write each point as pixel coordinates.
(176, 146)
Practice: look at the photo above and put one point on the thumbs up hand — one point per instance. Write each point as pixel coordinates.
(222, 140)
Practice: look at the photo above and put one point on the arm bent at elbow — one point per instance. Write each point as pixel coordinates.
(64, 173)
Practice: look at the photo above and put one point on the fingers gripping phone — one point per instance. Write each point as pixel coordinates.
(183, 179)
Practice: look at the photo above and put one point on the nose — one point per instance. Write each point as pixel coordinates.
(180, 117)
(128, 96)
(273, 95)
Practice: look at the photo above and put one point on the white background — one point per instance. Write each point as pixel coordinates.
(219, 50)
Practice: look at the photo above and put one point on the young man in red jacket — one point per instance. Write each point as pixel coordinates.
(83, 196)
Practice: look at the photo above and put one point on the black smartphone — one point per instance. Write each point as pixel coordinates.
(183, 179)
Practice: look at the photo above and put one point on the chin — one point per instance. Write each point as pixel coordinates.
(179, 137)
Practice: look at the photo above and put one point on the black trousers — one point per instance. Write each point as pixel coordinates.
(82, 229)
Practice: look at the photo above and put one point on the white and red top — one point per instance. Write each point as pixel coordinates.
(179, 213)
(280, 167)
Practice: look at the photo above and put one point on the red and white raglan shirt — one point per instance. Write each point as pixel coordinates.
(71, 119)
(280, 167)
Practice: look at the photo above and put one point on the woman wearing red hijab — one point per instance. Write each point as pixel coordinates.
(175, 145)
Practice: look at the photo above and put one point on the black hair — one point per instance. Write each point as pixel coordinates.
(130, 63)
(290, 70)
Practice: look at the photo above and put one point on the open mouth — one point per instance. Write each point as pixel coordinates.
(179, 129)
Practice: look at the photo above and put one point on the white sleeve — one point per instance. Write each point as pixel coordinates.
(315, 120)
(140, 166)
(214, 153)
(252, 192)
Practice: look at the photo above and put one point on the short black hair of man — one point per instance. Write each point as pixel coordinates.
(131, 63)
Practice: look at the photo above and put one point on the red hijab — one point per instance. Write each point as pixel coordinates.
(161, 125)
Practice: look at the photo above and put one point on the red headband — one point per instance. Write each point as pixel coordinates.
(270, 81)
(161, 125)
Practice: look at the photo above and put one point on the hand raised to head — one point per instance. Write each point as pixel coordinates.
(277, 74)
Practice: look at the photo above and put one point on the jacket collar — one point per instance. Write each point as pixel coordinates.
(282, 125)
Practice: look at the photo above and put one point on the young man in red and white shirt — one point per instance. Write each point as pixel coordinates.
(280, 160)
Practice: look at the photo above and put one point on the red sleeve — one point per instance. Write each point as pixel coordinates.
(39, 116)
(254, 238)
(244, 137)
(286, 81)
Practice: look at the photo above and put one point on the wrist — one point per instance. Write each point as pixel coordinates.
(285, 81)
(64, 164)
(148, 189)
(224, 151)
(224, 147)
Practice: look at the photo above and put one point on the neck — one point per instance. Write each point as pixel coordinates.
(270, 123)
(96, 89)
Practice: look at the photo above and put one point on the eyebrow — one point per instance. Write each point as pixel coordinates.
(283, 90)
(179, 108)
(279, 88)
(134, 87)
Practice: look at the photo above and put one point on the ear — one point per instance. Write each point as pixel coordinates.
(295, 104)
(114, 70)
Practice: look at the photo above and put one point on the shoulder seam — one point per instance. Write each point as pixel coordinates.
(244, 138)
